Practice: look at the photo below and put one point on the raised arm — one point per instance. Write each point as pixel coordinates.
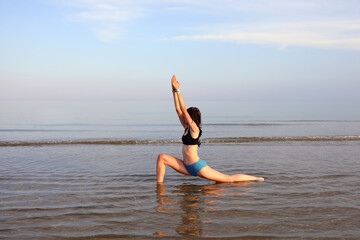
(176, 88)
(180, 106)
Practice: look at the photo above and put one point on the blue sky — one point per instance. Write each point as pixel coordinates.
(220, 50)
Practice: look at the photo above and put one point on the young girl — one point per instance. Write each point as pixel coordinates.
(192, 164)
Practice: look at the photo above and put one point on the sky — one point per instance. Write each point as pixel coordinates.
(259, 50)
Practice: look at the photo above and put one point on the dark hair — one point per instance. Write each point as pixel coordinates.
(195, 115)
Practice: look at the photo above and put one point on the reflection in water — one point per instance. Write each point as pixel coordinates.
(189, 201)
(190, 205)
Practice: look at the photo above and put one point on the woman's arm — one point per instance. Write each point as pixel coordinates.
(175, 87)
(180, 106)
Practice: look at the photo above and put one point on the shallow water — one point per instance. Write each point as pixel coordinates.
(75, 178)
(111, 191)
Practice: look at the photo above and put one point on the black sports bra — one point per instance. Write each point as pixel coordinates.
(188, 140)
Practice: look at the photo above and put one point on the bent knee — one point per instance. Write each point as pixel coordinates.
(161, 158)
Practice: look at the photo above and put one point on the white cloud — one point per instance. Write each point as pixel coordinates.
(326, 24)
(108, 33)
(104, 17)
(331, 34)
(108, 11)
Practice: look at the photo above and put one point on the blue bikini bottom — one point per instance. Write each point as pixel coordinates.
(194, 168)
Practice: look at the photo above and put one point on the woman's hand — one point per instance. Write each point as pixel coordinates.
(175, 84)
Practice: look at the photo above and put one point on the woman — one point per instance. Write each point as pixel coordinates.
(192, 163)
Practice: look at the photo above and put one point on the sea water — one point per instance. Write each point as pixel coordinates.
(86, 170)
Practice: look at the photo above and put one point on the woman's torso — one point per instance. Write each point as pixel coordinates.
(190, 152)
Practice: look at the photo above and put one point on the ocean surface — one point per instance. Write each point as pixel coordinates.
(86, 170)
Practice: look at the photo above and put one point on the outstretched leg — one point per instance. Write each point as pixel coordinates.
(163, 160)
(211, 174)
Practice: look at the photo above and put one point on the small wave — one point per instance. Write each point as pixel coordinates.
(42, 130)
(84, 142)
(246, 124)
(282, 139)
(278, 123)
(155, 142)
